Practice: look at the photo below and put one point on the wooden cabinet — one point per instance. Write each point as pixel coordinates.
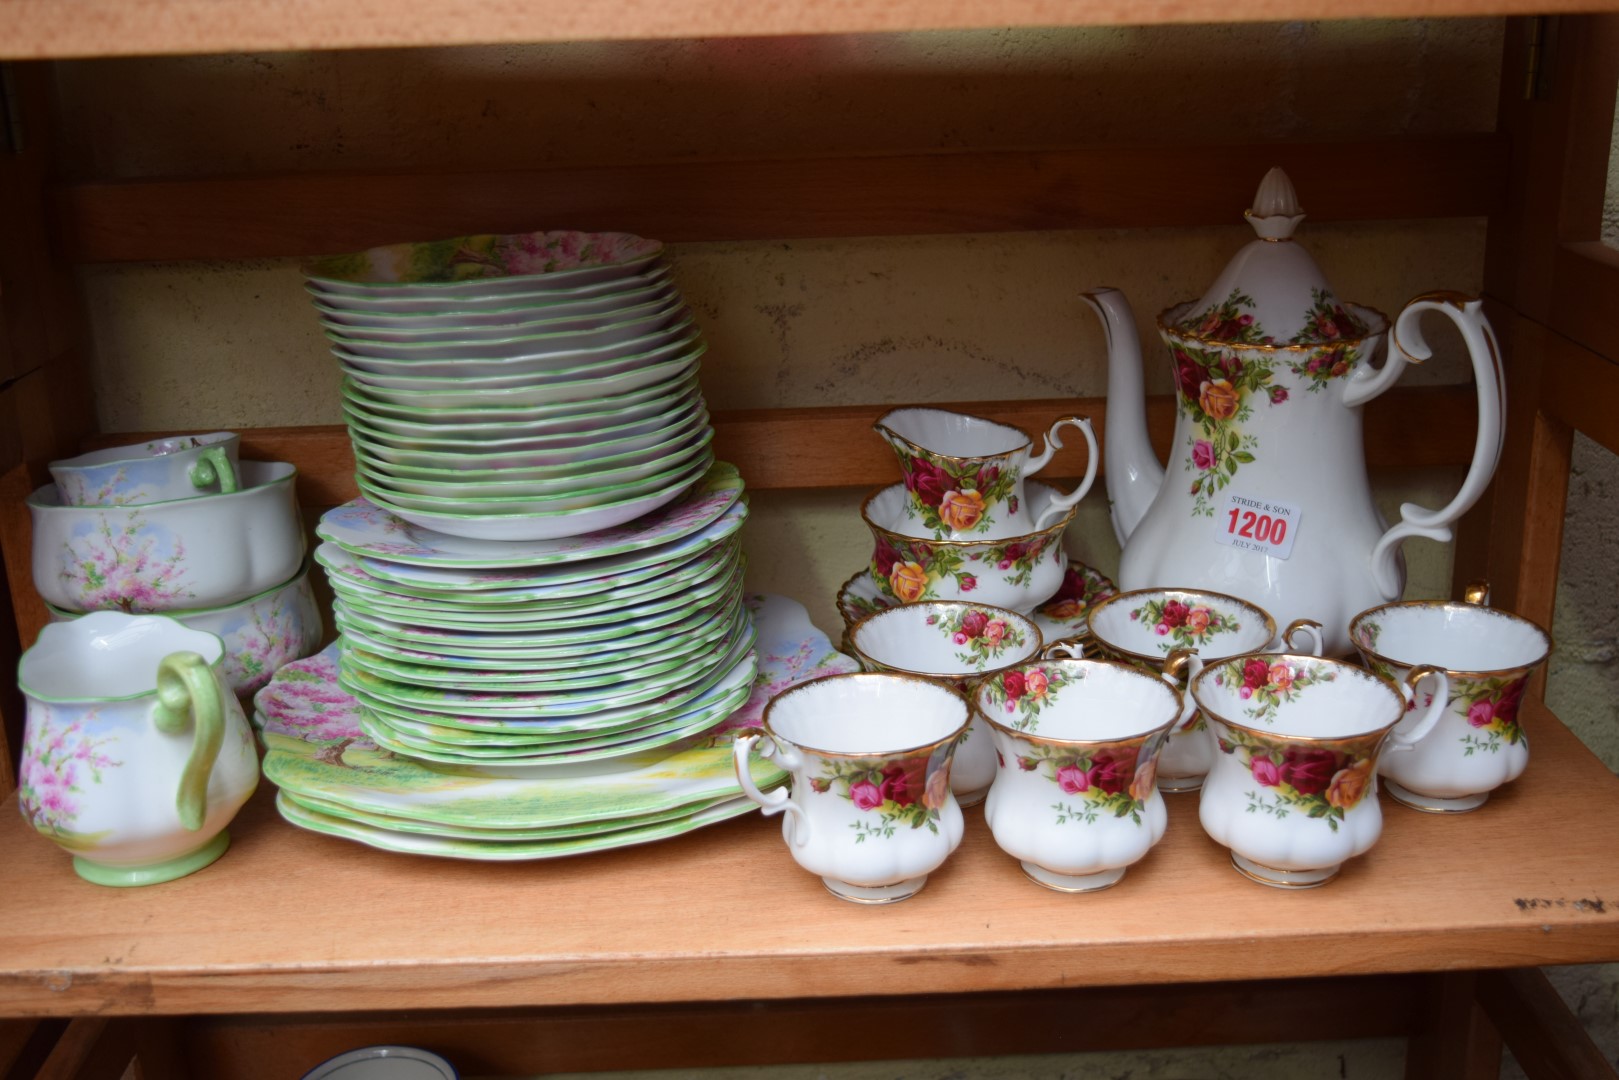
(708, 951)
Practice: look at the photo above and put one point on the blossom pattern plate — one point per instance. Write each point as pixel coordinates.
(1065, 615)
(363, 528)
(315, 747)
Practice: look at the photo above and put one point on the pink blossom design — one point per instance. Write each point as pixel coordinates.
(57, 763)
(119, 569)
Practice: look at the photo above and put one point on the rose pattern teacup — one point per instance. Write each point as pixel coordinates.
(957, 644)
(1293, 790)
(964, 475)
(1489, 656)
(1077, 741)
(870, 809)
(1145, 626)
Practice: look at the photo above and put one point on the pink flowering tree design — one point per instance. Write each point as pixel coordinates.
(119, 569)
(306, 703)
(58, 762)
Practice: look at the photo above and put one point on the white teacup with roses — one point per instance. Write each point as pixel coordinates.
(1145, 626)
(870, 809)
(958, 644)
(1489, 656)
(964, 475)
(1293, 790)
(1075, 797)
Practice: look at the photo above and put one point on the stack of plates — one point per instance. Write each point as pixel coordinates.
(335, 779)
(518, 387)
(593, 654)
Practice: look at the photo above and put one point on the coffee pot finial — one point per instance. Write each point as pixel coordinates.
(1276, 211)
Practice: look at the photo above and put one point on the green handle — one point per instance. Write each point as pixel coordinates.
(214, 465)
(186, 688)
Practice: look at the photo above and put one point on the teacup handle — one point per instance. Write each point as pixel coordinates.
(212, 465)
(187, 690)
(1177, 661)
(774, 802)
(1428, 717)
(1066, 649)
(1311, 631)
(1061, 504)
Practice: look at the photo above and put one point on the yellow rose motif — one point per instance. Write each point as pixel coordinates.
(1349, 785)
(961, 510)
(1218, 399)
(909, 581)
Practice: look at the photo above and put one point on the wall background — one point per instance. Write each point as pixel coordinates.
(848, 321)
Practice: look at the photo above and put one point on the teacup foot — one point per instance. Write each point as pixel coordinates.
(1283, 879)
(971, 798)
(1074, 883)
(152, 873)
(1433, 804)
(875, 894)
(1174, 784)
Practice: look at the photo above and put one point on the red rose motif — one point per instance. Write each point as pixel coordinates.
(967, 582)
(1255, 673)
(988, 475)
(1232, 365)
(1113, 774)
(927, 482)
(1188, 376)
(1278, 394)
(1481, 713)
(1506, 706)
(1309, 771)
(1265, 771)
(1175, 614)
(866, 795)
(1073, 779)
(821, 785)
(973, 623)
(1203, 454)
(903, 781)
(885, 558)
(1327, 325)
(1012, 683)
(1344, 322)
(1027, 764)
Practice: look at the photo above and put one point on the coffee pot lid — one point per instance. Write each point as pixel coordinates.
(1272, 292)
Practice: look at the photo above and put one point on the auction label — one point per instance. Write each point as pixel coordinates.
(1261, 525)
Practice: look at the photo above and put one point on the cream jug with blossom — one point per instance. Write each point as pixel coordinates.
(1266, 496)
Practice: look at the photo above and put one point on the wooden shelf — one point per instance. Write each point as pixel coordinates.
(32, 29)
(291, 921)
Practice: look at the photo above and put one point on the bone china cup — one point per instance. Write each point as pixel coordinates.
(1145, 626)
(964, 475)
(1077, 741)
(870, 809)
(183, 467)
(1489, 656)
(1020, 572)
(179, 555)
(136, 755)
(957, 644)
(1293, 791)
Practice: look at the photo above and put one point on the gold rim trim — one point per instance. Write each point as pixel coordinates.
(1169, 329)
(863, 656)
(1302, 658)
(1141, 736)
(1452, 605)
(881, 428)
(1053, 530)
(1100, 605)
(854, 755)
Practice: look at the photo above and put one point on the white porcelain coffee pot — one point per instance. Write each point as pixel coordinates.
(1266, 495)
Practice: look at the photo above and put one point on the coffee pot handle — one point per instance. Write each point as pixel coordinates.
(1061, 504)
(1427, 715)
(188, 692)
(1406, 338)
(774, 802)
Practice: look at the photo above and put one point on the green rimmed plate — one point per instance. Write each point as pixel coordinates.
(599, 371)
(315, 748)
(456, 311)
(503, 323)
(363, 528)
(484, 263)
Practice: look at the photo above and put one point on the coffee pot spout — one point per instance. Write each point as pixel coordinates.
(1133, 472)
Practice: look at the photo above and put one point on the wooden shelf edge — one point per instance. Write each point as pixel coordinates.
(46, 29)
(868, 195)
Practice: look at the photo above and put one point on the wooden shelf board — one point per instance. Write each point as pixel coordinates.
(292, 921)
(780, 449)
(39, 29)
(869, 195)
